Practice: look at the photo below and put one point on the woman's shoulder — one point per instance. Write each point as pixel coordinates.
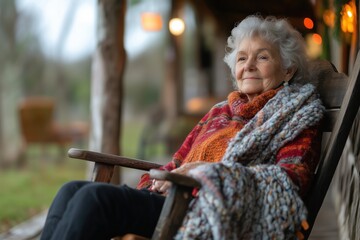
(220, 104)
(217, 109)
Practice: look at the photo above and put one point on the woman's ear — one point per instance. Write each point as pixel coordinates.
(290, 73)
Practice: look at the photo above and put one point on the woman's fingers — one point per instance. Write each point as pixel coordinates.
(165, 187)
(185, 168)
(157, 185)
(160, 186)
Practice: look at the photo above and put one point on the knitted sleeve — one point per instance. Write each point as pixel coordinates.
(300, 157)
(179, 156)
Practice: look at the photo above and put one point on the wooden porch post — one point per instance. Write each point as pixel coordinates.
(172, 90)
(107, 88)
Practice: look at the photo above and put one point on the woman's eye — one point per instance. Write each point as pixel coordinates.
(240, 59)
(263, 57)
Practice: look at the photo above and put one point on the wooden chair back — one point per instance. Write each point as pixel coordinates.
(36, 118)
(340, 95)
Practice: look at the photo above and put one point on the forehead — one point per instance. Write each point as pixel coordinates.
(255, 44)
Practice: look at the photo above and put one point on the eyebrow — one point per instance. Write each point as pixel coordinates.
(257, 51)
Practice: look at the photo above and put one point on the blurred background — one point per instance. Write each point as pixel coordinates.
(45, 62)
(174, 72)
(46, 51)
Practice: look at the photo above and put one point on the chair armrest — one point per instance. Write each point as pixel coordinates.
(176, 178)
(111, 159)
(176, 203)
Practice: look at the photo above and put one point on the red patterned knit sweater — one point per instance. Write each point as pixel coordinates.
(210, 137)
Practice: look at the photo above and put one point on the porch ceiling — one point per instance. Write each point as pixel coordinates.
(228, 12)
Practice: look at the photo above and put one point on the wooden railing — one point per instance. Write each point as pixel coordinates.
(347, 186)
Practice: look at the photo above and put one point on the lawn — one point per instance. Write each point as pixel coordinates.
(26, 192)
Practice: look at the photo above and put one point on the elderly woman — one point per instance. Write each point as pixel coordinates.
(254, 154)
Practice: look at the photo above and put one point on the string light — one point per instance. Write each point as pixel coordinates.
(176, 26)
(348, 18)
(317, 38)
(151, 21)
(308, 23)
(329, 18)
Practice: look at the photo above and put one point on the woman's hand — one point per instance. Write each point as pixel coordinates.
(185, 168)
(162, 186)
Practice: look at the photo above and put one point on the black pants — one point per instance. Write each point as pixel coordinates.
(87, 210)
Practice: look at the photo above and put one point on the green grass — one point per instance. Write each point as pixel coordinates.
(28, 191)
(131, 132)
(130, 141)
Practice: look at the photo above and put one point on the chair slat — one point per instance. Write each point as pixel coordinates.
(334, 148)
(331, 84)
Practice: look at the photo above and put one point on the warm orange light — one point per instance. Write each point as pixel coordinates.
(151, 21)
(176, 26)
(313, 45)
(348, 19)
(308, 23)
(329, 18)
(317, 38)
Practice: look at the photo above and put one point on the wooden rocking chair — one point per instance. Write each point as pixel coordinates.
(340, 95)
(39, 126)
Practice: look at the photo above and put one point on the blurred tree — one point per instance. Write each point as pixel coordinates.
(26, 71)
(20, 56)
(107, 85)
(7, 37)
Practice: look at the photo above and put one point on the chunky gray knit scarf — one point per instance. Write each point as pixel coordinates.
(254, 199)
(293, 109)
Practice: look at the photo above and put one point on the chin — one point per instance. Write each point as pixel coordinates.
(248, 91)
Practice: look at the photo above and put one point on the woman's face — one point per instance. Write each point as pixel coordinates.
(258, 67)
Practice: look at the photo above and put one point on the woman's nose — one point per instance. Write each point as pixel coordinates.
(250, 64)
